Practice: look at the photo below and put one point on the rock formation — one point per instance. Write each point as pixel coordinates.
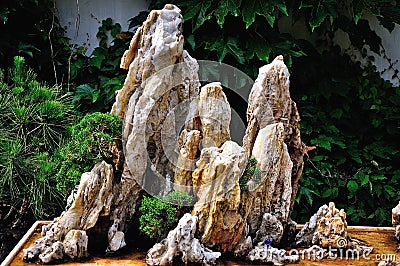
(218, 172)
(328, 228)
(181, 242)
(176, 137)
(273, 138)
(207, 125)
(161, 76)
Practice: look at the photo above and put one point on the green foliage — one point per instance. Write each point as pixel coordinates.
(252, 172)
(98, 76)
(89, 143)
(33, 121)
(356, 134)
(30, 28)
(247, 34)
(160, 215)
(179, 199)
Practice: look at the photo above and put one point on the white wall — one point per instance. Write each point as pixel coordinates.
(91, 13)
(390, 45)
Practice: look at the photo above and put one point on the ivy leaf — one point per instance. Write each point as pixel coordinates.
(197, 12)
(320, 10)
(190, 40)
(260, 47)
(352, 186)
(99, 54)
(224, 8)
(327, 193)
(85, 91)
(223, 48)
(4, 15)
(263, 8)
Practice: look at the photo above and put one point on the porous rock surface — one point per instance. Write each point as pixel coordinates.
(162, 78)
(153, 87)
(181, 241)
(328, 228)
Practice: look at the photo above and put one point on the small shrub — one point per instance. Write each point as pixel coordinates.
(89, 143)
(158, 216)
(179, 198)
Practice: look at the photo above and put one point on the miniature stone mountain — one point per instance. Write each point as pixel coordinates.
(328, 228)
(162, 77)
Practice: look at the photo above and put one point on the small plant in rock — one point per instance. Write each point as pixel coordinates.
(158, 216)
(252, 172)
(180, 199)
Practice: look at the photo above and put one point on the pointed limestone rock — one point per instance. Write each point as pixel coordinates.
(273, 138)
(207, 124)
(161, 76)
(218, 208)
(93, 199)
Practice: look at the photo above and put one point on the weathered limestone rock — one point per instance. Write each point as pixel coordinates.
(93, 199)
(244, 246)
(181, 241)
(154, 86)
(332, 229)
(207, 125)
(273, 138)
(75, 243)
(186, 164)
(328, 228)
(273, 193)
(271, 229)
(305, 237)
(267, 254)
(215, 115)
(161, 76)
(218, 208)
(55, 252)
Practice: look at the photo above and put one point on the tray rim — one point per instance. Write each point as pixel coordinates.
(11, 256)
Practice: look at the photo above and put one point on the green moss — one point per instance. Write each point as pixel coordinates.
(252, 172)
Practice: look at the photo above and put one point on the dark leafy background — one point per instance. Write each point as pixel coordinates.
(348, 112)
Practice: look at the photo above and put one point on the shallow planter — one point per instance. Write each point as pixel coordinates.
(380, 238)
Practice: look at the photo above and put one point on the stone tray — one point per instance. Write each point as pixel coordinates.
(381, 238)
